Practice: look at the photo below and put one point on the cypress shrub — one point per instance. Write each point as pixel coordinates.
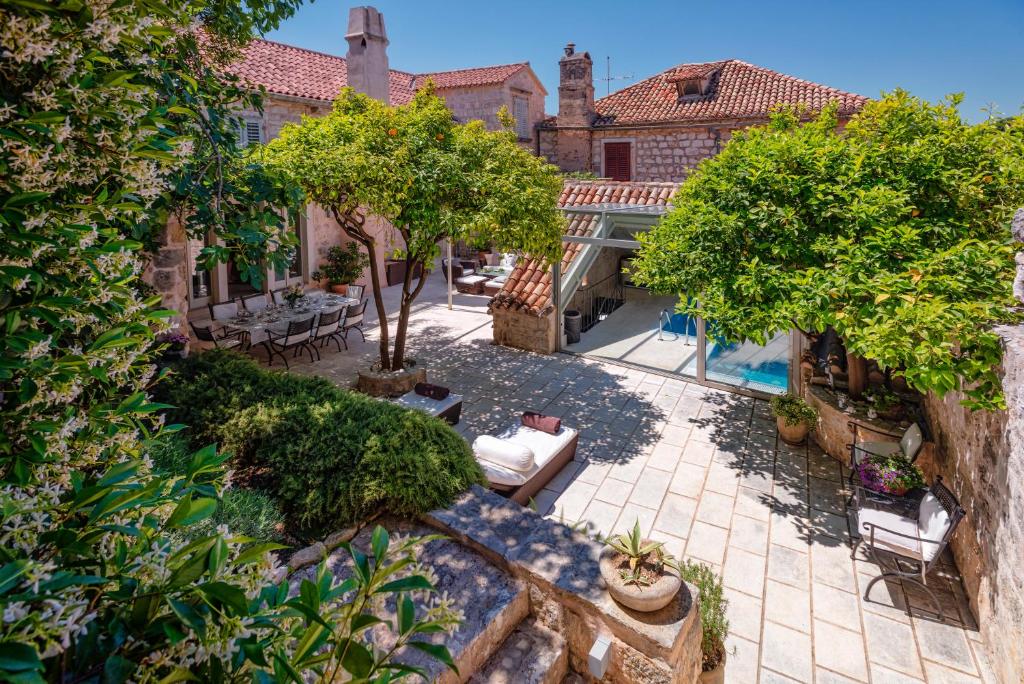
(327, 455)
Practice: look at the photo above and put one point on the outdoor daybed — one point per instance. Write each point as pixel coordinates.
(519, 461)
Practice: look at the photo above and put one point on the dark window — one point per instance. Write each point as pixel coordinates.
(617, 161)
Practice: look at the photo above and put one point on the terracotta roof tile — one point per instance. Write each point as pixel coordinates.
(297, 72)
(528, 287)
(476, 76)
(737, 90)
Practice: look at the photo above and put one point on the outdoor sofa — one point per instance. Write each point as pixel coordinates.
(520, 460)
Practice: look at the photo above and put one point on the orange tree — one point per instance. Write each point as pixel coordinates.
(433, 179)
(894, 232)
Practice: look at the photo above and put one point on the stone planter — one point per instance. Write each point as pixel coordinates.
(791, 434)
(390, 383)
(642, 599)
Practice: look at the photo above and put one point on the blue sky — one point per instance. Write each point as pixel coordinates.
(931, 48)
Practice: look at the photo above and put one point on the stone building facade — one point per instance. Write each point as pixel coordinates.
(661, 128)
(300, 82)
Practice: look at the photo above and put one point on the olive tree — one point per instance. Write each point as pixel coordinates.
(432, 178)
(894, 231)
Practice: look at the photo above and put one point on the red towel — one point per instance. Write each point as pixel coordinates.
(425, 389)
(538, 421)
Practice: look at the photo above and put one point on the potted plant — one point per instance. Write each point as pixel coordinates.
(293, 294)
(343, 265)
(638, 572)
(175, 344)
(713, 621)
(884, 403)
(889, 474)
(794, 417)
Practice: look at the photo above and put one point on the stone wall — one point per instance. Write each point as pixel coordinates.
(167, 270)
(525, 331)
(980, 456)
(660, 154)
(483, 102)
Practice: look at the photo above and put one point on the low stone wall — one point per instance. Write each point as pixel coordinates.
(980, 456)
(833, 433)
(567, 593)
(525, 331)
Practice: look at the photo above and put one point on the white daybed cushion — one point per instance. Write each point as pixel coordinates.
(503, 453)
(471, 279)
(932, 523)
(892, 521)
(543, 445)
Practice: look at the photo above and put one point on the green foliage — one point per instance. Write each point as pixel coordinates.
(328, 456)
(245, 512)
(713, 621)
(894, 231)
(432, 178)
(110, 121)
(793, 409)
(344, 264)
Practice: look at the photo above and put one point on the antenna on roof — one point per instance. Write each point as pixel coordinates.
(609, 78)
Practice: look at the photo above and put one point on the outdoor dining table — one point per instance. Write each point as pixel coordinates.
(278, 317)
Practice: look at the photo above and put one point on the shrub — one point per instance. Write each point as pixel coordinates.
(329, 456)
(713, 621)
(245, 512)
(793, 409)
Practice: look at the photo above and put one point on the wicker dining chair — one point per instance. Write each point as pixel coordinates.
(224, 310)
(296, 337)
(917, 542)
(219, 336)
(354, 319)
(328, 327)
(256, 302)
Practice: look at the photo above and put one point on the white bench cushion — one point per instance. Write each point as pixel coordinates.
(504, 453)
(932, 523)
(543, 446)
(434, 407)
(892, 521)
(470, 280)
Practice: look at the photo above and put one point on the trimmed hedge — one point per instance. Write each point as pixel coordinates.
(329, 456)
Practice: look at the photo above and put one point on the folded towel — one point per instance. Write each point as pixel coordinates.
(425, 389)
(538, 421)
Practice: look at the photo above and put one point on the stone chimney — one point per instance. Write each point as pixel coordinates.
(575, 88)
(367, 57)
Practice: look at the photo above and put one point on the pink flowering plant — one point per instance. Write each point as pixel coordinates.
(174, 339)
(889, 474)
(110, 122)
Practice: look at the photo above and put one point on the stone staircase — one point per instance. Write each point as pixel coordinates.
(532, 654)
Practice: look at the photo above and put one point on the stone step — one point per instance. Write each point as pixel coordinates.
(530, 655)
(492, 602)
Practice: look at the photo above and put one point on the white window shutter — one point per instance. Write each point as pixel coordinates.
(253, 133)
(521, 113)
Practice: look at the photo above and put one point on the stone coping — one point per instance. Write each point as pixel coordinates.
(566, 562)
(832, 432)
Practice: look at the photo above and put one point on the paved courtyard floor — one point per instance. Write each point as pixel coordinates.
(704, 471)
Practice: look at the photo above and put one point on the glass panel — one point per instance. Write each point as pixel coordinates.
(748, 365)
(201, 281)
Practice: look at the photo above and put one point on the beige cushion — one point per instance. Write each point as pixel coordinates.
(500, 475)
(518, 457)
(543, 445)
(911, 441)
(932, 523)
(891, 521)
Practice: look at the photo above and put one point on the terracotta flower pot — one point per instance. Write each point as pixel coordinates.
(642, 599)
(339, 289)
(791, 434)
(716, 675)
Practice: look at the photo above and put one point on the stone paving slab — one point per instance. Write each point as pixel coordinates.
(648, 440)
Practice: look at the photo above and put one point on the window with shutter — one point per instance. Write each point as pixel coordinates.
(618, 161)
(250, 132)
(521, 112)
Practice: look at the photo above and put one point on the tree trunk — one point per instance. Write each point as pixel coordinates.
(408, 297)
(857, 375)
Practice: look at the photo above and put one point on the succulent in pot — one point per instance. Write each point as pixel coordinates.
(794, 417)
(638, 572)
(889, 474)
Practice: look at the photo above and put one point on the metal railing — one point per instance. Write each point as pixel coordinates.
(596, 301)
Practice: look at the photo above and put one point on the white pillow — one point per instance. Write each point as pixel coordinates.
(501, 475)
(507, 454)
(932, 523)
